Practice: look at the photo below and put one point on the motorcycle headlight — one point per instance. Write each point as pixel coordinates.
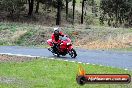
(69, 43)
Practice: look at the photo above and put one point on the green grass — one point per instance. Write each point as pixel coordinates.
(36, 35)
(45, 73)
(123, 49)
(8, 30)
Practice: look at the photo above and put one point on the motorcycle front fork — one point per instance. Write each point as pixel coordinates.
(50, 49)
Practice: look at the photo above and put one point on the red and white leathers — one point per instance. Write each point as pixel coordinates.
(55, 39)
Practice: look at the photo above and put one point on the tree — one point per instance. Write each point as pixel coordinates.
(31, 5)
(67, 9)
(116, 12)
(59, 5)
(67, 2)
(37, 6)
(74, 2)
(82, 12)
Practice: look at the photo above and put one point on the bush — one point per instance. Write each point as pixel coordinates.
(89, 19)
(117, 12)
(13, 7)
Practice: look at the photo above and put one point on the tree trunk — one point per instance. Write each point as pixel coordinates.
(37, 6)
(82, 12)
(58, 19)
(74, 1)
(31, 3)
(66, 9)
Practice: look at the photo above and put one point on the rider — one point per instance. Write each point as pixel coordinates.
(55, 38)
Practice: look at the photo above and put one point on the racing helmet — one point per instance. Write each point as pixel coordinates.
(56, 31)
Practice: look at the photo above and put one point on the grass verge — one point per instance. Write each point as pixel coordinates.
(46, 73)
(89, 37)
(123, 49)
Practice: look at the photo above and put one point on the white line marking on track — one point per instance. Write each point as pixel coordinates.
(87, 63)
(18, 55)
(126, 69)
(72, 61)
(59, 59)
(65, 60)
(52, 58)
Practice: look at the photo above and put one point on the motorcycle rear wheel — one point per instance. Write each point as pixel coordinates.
(73, 53)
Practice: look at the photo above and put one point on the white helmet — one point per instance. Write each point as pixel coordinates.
(56, 29)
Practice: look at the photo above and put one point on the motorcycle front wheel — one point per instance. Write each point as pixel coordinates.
(56, 55)
(72, 53)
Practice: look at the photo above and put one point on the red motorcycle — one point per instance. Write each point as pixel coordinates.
(63, 48)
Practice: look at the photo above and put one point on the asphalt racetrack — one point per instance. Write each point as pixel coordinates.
(105, 58)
